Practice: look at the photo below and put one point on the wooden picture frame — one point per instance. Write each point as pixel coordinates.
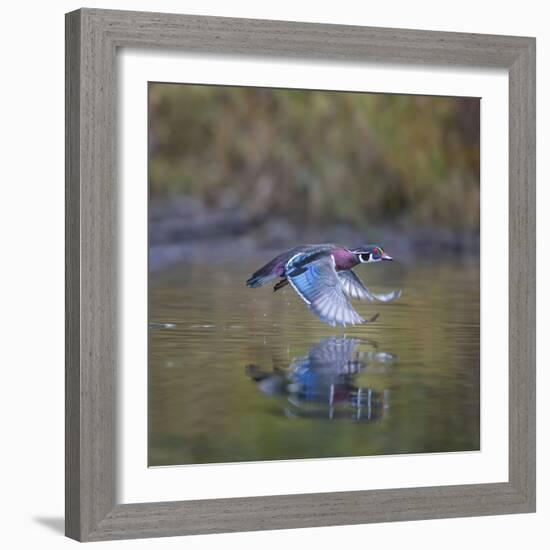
(92, 39)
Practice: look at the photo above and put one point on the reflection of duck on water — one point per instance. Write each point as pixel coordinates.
(321, 384)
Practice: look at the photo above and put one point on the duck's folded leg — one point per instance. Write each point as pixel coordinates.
(280, 284)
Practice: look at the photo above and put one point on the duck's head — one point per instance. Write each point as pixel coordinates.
(371, 253)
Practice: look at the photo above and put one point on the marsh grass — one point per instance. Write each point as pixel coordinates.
(318, 158)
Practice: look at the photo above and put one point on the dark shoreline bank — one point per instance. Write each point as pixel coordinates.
(184, 230)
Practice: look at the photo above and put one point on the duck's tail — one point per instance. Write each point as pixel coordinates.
(262, 276)
(267, 273)
(258, 280)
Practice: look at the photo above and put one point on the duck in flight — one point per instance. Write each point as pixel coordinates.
(322, 276)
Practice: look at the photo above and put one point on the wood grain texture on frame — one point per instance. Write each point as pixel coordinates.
(92, 38)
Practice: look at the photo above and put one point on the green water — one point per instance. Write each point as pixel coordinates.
(245, 374)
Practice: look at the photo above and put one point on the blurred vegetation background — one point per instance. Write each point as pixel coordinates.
(234, 160)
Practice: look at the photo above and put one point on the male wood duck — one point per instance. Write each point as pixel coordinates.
(322, 276)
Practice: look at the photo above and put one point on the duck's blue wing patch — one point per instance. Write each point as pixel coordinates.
(315, 279)
(354, 288)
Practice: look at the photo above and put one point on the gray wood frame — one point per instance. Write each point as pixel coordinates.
(92, 39)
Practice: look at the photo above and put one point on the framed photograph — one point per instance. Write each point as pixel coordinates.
(300, 275)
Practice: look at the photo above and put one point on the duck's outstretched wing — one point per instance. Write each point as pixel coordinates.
(315, 279)
(354, 288)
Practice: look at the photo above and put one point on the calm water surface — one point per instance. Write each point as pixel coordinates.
(238, 374)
